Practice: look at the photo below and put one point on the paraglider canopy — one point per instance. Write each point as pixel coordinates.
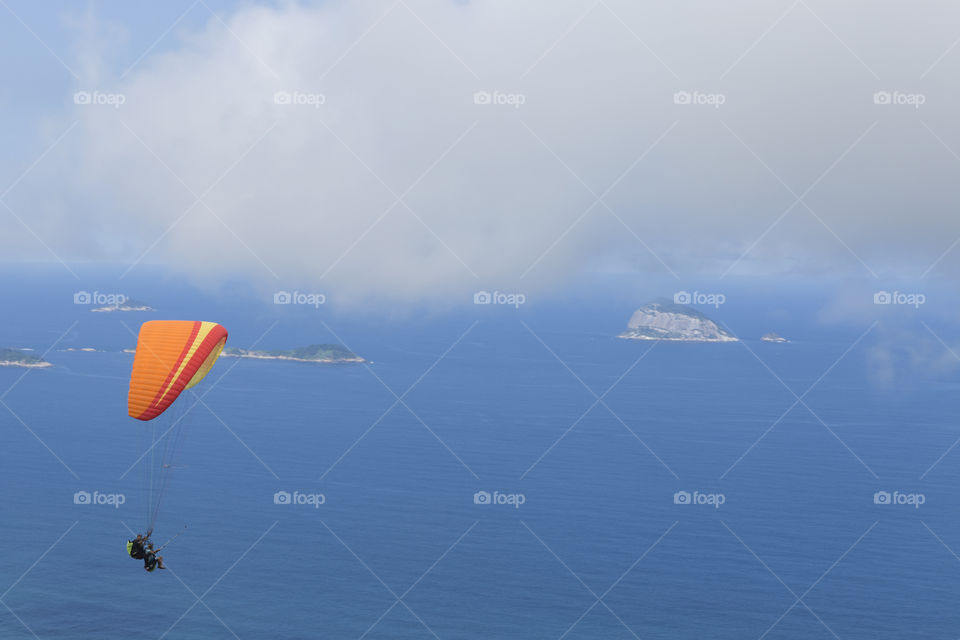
(171, 356)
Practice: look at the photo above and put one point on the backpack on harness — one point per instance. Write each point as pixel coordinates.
(135, 549)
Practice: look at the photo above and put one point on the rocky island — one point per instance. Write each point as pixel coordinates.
(18, 358)
(665, 320)
(126, 305)
(327, 353)
(773, 337)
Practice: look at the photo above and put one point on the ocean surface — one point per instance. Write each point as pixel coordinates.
(632, 490)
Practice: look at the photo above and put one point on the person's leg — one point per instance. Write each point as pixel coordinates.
(160, 562)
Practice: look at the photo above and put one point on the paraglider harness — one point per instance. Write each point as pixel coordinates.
(137, 548)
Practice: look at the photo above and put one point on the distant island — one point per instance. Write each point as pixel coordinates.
(18, 358)
(773, 337)
(126, 305)
(665, 320)
(327, 353)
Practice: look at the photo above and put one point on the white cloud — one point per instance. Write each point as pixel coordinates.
(488, 198)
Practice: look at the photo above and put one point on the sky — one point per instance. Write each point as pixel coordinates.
(417, 151)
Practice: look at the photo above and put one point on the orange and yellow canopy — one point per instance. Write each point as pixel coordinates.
(171, 356)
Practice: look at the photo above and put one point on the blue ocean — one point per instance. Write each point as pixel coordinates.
(490, 473)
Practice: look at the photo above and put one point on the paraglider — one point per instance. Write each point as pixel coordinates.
(171, 357)
(151, 560)
(136, 547)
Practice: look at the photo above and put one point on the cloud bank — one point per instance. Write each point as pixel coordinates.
(418, 150)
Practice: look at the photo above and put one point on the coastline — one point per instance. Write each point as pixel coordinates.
(624, 336)
(111, 309)
(25, 365)
(254, 356)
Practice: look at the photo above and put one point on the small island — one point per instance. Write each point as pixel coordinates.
(18, 358)
(665, 320)
(126, 305)
(326, 353)
(773, 337)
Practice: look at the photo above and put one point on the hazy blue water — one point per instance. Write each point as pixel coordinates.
(398, 503)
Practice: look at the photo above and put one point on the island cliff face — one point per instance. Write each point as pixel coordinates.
(664, 320)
